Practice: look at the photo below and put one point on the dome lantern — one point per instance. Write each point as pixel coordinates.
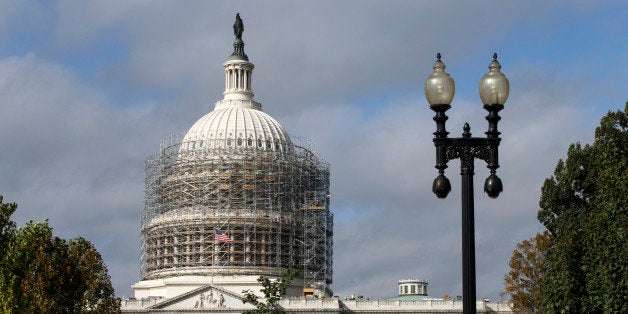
(238, 69)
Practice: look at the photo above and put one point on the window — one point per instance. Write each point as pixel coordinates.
(405, 289)
(239, 141)
(249, 142)
(413, 289)
(259, 142)
(229, 142)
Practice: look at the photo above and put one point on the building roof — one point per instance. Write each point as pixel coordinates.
(412, 298)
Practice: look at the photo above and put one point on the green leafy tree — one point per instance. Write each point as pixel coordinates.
(272, 290)
(526, 270)
(97, 293)
(584, 206)
(41, 273)
(7, 227)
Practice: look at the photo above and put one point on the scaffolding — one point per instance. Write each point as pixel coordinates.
(273, 203)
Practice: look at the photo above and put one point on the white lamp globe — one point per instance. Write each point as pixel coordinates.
(439, 86)
(494, 86)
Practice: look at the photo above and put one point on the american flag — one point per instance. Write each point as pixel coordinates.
(222, 236)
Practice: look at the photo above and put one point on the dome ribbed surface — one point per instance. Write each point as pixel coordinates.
(237, 127)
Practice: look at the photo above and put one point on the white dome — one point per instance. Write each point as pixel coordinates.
(237, 127)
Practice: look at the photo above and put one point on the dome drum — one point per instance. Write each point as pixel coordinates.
(190, 248)
(257, 197)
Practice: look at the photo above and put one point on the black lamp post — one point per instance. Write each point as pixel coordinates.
(439, 91)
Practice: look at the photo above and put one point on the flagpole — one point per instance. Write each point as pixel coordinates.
(213, 255)
(219, 236)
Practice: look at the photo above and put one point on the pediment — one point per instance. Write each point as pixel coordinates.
(208, 297)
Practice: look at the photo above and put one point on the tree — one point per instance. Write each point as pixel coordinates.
(6, 225)
(584, 207)
(41, 273)
(272, 290)
(526, 270)
(98, 293)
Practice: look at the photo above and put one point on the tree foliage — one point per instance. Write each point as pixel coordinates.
(584, 207)
(6, 225)
(41, 273)
(526, 270)
(97, 293)
(272, 290)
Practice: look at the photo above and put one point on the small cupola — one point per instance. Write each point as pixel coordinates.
(412, 287)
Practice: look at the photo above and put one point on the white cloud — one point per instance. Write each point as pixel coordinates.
(69, 159)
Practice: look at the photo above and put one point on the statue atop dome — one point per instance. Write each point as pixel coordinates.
(238, 27)
(238, 44)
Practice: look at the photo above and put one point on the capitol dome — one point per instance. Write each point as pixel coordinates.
(235, 199)
(238, 125)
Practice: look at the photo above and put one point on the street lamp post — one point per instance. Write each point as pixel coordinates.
(439, 91)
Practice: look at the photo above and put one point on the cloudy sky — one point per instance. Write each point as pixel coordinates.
(88, 89)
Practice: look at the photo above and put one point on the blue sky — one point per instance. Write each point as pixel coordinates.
(89, 89)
